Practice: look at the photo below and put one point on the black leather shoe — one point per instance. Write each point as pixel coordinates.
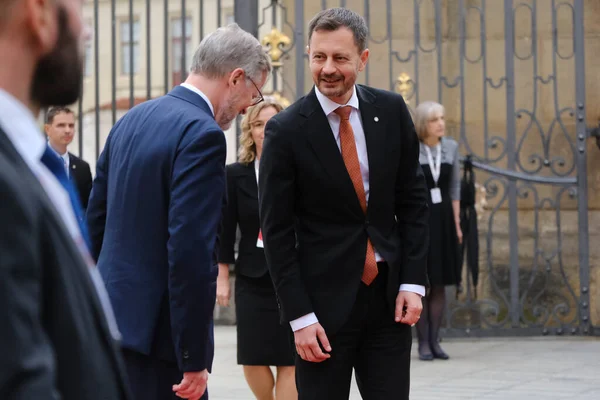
(439, 353)
(426, 357)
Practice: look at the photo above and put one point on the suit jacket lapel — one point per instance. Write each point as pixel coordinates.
(72, 168)
(374, 124)
(323, 143)
(248, 184)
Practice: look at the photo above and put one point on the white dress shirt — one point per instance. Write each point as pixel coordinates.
(334, 120)
(256, 165)
(199, 93)
(22, 130)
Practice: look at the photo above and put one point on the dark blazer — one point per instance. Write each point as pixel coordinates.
(80, 174)
(242, 211)
(55, 339)
(153, 218)
(305, 190)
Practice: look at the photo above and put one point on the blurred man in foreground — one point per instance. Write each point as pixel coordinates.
(57, 330)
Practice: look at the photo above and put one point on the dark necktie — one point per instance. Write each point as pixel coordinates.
(56, 165)
(350, 157)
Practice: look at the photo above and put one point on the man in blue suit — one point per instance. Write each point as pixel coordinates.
(155, 209)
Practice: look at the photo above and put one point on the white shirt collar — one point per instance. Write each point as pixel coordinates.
(21, 128)
(63, 156)
(330, 106)
(199, 93)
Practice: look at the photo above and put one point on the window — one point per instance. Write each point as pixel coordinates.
(128, 43)
(176, 48)
(229, 19)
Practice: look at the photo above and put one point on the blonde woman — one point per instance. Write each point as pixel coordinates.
(261, 340)
(440, 161)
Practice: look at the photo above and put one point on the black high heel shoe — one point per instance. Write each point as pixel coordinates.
(425, 356)
(438, 353)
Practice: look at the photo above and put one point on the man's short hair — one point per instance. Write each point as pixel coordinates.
(54, 111)
(334, 18)
(228, 48)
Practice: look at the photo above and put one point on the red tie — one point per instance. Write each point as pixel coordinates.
(350, 156)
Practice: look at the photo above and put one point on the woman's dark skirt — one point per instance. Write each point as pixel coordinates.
(261, 338)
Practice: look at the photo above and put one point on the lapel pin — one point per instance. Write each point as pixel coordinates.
(376, 119)
(74, 166)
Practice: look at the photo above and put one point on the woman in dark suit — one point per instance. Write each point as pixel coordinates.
(439, 159)
(262, 341)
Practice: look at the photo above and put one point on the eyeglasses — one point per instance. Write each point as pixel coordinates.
(259, 98)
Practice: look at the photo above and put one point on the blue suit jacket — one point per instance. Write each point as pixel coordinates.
(153, 217)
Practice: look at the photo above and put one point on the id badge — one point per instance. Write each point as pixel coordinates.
(259, 241)
(436, 196)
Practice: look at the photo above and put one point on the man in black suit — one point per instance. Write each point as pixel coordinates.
(57, 331)
(345, 221)
(60, 129)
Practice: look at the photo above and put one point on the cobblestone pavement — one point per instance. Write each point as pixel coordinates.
(482, 369)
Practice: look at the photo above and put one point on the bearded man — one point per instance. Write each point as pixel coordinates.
(58, 333)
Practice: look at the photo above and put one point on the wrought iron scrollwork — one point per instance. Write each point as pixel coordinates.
(405, 86)
(276, 43)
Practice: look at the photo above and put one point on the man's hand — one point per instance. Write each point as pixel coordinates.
(307, 343)
(408, 307)
(192, 386)
(223, 291)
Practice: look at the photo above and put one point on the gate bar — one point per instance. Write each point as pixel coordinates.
(582, 189)
(300, 46)
(511, 161)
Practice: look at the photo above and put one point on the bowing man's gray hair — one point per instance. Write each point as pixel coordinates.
(228, 48)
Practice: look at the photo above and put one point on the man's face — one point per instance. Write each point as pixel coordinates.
(57, 78)
(62, 129)
(241, 95)
(335, 62)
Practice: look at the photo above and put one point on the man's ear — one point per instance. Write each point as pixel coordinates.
(46, 129)
(41, 19)
(236, 76)
(364, 57)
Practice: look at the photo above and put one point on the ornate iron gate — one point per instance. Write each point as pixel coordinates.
(509, 72)
(511, 76)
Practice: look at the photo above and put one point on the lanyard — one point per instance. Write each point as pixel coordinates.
(437, 166)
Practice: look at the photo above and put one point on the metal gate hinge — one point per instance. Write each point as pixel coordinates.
(595, 133)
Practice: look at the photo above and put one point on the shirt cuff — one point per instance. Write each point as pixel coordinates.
(418, 289)
(303, 322)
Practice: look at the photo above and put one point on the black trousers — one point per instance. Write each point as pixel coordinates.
(371, 343)
(151, 378)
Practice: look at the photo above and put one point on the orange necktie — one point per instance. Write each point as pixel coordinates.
(350, 156)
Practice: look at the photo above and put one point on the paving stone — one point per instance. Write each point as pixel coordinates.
(480, 369)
